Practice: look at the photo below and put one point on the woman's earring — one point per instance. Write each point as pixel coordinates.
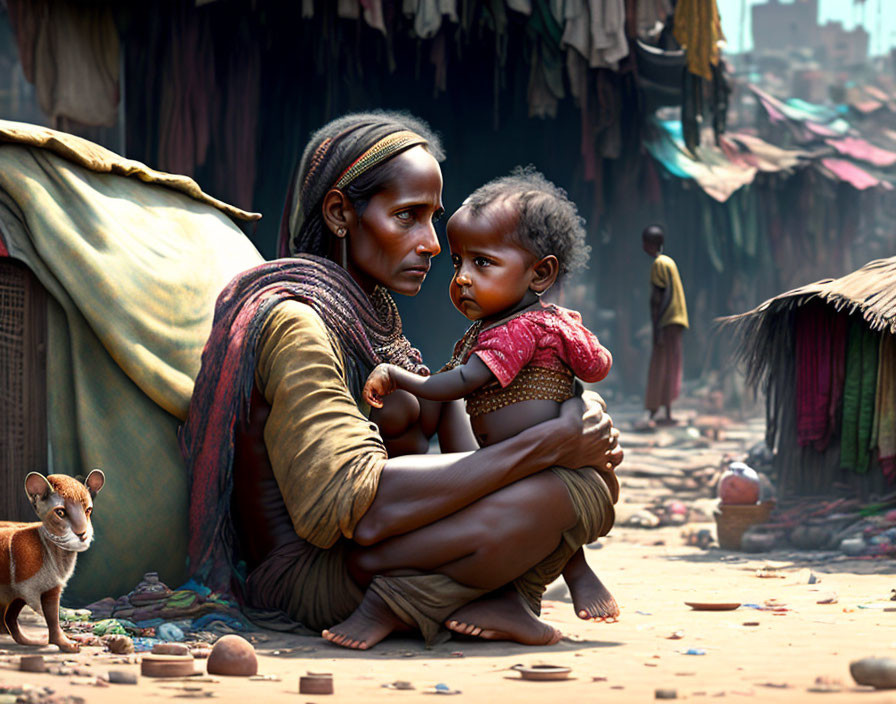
(343, 249)
(538, 293)
(340, 232)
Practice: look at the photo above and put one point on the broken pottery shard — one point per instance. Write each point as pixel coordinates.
(233, 655)
(879, 673)
(154, 665)
(316, 683)
(122, 677)
(32, 663)
(170, 649)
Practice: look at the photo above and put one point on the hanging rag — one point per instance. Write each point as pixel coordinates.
(885, 411)
(820, 341)
(699, 30)
(859, 390)
(70, 52)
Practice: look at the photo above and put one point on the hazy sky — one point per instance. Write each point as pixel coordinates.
(883, 32)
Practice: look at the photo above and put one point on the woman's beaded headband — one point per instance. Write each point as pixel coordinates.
(378, 153)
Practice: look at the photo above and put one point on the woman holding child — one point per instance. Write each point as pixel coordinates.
(311, 504)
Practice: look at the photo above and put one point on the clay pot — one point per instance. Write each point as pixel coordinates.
(739, 485)
(234, 656)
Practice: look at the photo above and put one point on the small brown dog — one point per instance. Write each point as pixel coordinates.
(37, 559)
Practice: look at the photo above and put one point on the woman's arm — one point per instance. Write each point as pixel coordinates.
(417, 490)
(444, 386)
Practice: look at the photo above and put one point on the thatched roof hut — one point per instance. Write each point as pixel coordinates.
(825, 357)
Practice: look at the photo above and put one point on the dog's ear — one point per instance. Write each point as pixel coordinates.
(94, 482)
(37, 487)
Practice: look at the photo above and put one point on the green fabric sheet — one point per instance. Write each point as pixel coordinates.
(859, 395)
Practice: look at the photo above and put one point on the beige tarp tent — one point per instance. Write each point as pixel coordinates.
(133, 260)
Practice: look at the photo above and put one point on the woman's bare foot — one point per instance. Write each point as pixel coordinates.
(372, 621)
(505, 617)
(590, 598)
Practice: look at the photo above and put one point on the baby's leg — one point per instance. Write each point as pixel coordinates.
(590, 598)
(401, 425)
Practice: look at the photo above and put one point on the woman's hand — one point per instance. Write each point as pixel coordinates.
(593, 441)
(379, 384)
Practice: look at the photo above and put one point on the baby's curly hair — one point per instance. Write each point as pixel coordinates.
(549, 222)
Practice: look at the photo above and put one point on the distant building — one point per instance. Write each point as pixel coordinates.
(840, 47)
(786, 26)
(778, 25)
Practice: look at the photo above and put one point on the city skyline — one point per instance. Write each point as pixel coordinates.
(877, 16)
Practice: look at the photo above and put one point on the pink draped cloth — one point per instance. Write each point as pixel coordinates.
(820, 368)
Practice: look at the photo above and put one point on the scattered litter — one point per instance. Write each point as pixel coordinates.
(122, 677)
(665, 694)
(457, 653)
(441, 688)
(542, 672)
(398, 684)
(830, 599)
(768, 573)
(644, 613)
(695, 651)
(316, 683)
(824, 685)
(118, 644)
(676, 635)
(599, 679)
(32, 663)
(775, 685)
(751, 623)
(168, 631)
(265, 678)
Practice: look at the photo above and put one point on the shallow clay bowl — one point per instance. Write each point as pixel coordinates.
(543, 672)
(712, 605)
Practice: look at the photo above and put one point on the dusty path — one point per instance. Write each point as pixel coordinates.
(745, 655)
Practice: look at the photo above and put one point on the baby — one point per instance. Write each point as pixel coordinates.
(510, 241)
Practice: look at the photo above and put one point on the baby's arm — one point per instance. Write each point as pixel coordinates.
(444, 386)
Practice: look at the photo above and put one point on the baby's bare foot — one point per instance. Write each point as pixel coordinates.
(505, 617)
(372, 621)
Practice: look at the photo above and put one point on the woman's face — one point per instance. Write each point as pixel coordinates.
(394, 239)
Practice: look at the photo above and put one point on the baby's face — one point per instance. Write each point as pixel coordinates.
(492, 272)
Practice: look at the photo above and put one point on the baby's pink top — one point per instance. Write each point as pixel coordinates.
(551, 337)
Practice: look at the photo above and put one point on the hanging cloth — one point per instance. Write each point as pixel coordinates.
(699, 30)
(885, 410)
(70, 52)
(820, 341)
(859, 390)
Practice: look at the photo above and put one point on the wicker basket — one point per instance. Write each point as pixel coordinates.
(733, 519)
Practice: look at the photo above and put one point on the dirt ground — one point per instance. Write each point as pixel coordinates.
(774, 647)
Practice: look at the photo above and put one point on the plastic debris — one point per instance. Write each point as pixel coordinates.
(168, 631)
